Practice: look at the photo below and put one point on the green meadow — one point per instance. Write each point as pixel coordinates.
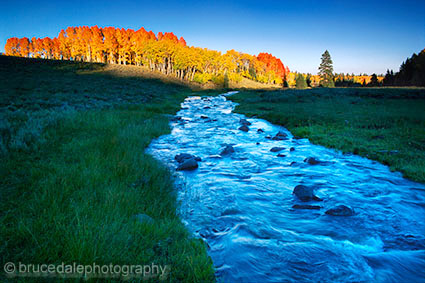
(74, 174)
(383, 124)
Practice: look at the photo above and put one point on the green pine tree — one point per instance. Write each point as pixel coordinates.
(326, 71)
(374, 80)
(300, 82)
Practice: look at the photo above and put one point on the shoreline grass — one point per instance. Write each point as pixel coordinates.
(383, 124)
(74, 177)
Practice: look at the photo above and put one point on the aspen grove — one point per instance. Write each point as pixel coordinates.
(164, 52)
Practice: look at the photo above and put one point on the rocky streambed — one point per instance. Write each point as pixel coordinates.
(272, 207)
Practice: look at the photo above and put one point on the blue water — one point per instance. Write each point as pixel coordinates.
(241, 204)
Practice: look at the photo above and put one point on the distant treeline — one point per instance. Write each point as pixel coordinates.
(163, 52)
(411, 73)
(341, 80)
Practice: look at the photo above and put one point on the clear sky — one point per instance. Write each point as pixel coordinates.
(361, 36)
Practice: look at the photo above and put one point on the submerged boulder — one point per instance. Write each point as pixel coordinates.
(244, 128)
(305, 193)
(260, 131)
(187, 161)
(188, 165)
(184, 156)
(279, 136)
(276, 149)
(292, 149)
(176, 119)
(340, 210)
(306, 206)
(230, 211)
(244, 122)
(312, 161)
(227, 150)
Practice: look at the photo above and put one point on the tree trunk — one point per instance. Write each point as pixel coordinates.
(89, 56)
(193, 73)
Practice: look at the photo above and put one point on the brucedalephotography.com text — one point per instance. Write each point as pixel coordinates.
(87, 271)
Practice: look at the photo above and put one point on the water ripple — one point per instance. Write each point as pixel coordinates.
(242, 204)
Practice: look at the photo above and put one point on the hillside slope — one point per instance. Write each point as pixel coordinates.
(75, 183)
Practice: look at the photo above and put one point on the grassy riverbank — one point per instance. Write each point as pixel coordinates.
(384, 124)
(74, 174)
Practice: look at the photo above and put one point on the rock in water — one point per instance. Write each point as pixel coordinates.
(279, 136)
(187, 165)
(227, 150)
(312, 161)
(183, 156)
(244, 122)
(276, 149)
(281, 155)
(305, 206)
(244, 128)
(340, 210)
(305, 193)
(230, 211)
(292, 149)
(175, 119)
(260, 131)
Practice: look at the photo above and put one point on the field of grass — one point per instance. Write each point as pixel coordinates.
(384, 124)
(74, 174)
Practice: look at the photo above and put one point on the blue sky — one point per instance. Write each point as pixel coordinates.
(361, 36)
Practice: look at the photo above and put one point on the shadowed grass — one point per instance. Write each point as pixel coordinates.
(73, 178)
(384, 124)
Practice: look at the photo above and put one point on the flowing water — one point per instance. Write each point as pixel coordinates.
(242, 204)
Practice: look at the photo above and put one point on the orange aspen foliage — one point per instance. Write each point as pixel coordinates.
(12, 46)
(56, 49)
(182, 41)
(47, 48)
(273, 64)
(64, 50)
(165, 53)
(111, 44)
(24, 47)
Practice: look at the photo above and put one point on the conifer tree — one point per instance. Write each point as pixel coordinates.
(300, 82)
(326, 70)
(374, 80)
